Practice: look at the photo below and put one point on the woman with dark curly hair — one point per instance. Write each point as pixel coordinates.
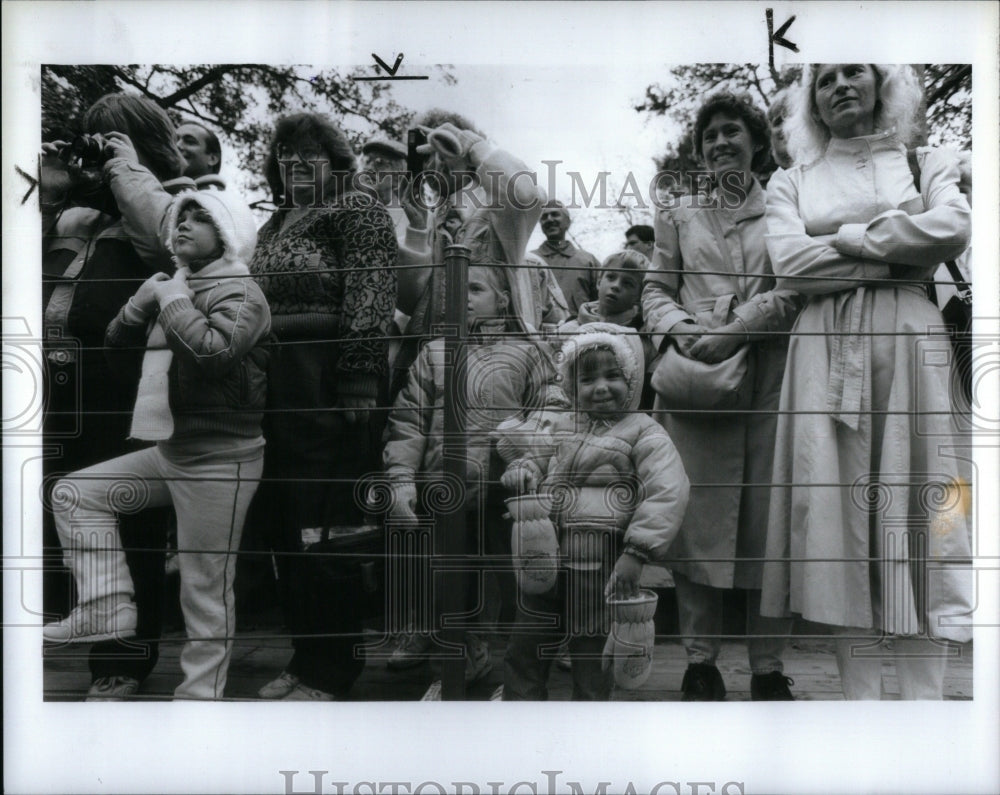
(709, 292)
(325, 261)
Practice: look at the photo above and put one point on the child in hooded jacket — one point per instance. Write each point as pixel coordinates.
(619, 491)
(619, 294)
(507, 377)
(201, 394)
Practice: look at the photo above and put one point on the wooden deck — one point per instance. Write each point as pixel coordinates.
(261, 654)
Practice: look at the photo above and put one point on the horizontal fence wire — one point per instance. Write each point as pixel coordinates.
(548, 336)
(649, 272)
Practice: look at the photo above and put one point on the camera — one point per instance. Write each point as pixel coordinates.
(89, 152)
(415, 161)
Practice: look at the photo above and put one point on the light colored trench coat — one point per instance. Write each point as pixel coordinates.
(876, 536)
(721, 252)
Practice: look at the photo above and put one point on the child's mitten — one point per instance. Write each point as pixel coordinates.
(403, 504)
(630, 645)
(534, 546)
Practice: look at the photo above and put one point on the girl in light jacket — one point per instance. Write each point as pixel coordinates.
(867, 532)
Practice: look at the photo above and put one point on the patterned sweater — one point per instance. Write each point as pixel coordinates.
(331, 275)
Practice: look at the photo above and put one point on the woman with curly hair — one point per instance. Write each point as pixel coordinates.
(709, 292)
(326, 263)
(866, 533)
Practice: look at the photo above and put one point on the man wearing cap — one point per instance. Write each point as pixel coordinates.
(383, 162)
(575, 270)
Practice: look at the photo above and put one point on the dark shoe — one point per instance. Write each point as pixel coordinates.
(702, 682)
(411, 650)
(771, 687)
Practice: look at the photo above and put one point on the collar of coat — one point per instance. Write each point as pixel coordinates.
(751, 207)
(565, 248)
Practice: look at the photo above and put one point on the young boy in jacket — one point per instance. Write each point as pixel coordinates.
(619, 293)
(620, 493)
(200, 398)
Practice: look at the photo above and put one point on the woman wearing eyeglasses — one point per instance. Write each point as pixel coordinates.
(325, 261)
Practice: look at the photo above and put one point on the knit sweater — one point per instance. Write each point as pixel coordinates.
(330, 275)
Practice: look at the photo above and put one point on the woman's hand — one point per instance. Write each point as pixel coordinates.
(56, 178)
(404, 503)
(356, 407)
(416, 213)
(719, 344)
(519, 478)
(624, 580)
(122, 146)
(685, 334)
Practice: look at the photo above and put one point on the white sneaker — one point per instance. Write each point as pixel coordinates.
(280, 687)
(303, 692)
(433, 692)
(108, 618)
(112, 688)
(497, 694)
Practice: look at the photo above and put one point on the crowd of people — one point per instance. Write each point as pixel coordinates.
(733, 396)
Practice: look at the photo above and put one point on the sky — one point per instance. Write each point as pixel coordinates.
(583, 116)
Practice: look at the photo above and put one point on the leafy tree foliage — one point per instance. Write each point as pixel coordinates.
(947, 90)
(948, 94)
(238, 101)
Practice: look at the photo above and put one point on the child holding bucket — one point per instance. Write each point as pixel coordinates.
(507, 376)
(618, 492)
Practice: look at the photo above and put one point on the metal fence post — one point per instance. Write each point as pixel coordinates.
(451, 536)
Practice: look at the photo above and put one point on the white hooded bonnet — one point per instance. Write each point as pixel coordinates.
(624, 343)
(232, 218)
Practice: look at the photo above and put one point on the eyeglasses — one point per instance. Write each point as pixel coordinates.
(381, 162)
(305, 152)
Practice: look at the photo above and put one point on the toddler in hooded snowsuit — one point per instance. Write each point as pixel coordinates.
(200, 398)
(619, 491)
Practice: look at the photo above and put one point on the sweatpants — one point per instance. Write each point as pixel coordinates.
(210, 500)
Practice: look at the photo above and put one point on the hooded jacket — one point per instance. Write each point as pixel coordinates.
(621, 471)
(217, 377)
(506, 377)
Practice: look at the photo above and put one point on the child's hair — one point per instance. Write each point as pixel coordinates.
(627, 259)
(585, 361)
(497, 269)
